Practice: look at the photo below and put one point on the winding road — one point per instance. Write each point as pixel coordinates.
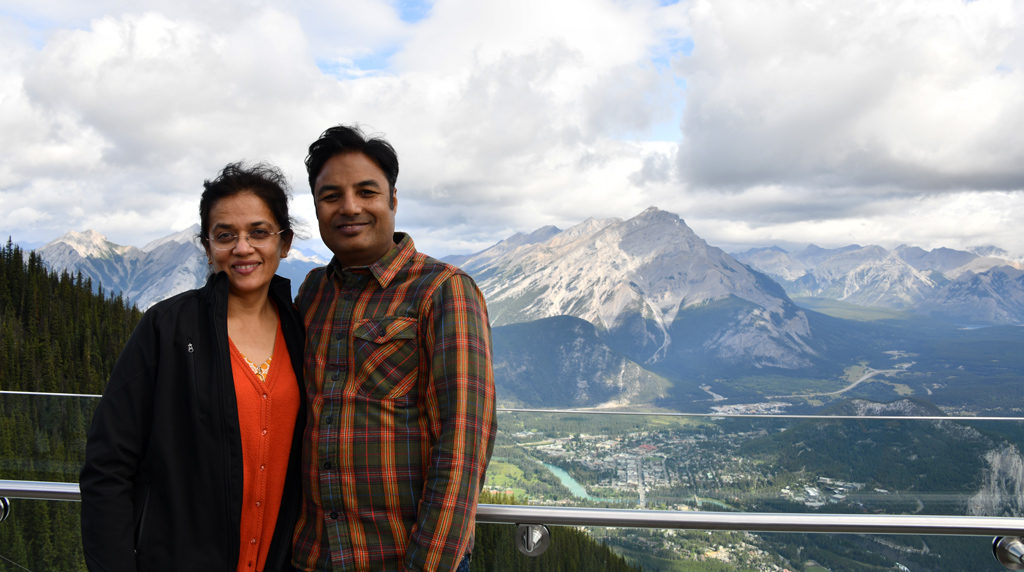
(868, 374)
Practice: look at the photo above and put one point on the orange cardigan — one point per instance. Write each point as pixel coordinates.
(266, 419)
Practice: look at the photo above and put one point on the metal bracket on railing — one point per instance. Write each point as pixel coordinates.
(5, 508)
(532, 539)
(1009, 551)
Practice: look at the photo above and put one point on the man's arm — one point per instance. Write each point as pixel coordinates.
(460, 410)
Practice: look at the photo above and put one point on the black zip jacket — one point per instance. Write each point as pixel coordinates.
(162, 480)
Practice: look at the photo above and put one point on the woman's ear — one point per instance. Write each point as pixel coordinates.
(286, 243)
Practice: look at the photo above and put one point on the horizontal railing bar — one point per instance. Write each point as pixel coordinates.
(662, 413)
(695, 520)
(763, 415)
(759, 522)
(48, 393)
(40, 490)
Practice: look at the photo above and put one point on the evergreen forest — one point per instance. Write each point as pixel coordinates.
(56, 337)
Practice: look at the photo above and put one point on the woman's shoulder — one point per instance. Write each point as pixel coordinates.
(182, 300)
(177, 301)
(174, 307)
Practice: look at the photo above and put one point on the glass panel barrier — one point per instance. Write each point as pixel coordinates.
(884, 465)
(955, 466)
(42, 438)
(40, 536)
(775, 464)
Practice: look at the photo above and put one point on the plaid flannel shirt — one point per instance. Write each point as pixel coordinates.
(401, 418)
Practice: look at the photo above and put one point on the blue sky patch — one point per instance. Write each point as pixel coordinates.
(412, 11)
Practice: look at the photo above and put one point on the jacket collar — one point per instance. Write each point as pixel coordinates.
(216, 290)
(387, 266)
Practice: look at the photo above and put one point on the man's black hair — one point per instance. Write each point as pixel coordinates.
(348, 139)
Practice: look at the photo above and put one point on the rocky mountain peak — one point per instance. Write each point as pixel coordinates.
(652, 266)
(88, 243)
(187, 236)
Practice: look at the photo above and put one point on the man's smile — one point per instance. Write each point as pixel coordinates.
(351, 227)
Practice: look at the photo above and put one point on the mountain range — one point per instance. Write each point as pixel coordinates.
(158, 270)
(643, 312)
(953, 285)
(661, 317)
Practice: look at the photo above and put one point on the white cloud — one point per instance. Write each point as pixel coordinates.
(342, 34)
(954, 220)
(159, 89)
(917, 94)
(800, 121)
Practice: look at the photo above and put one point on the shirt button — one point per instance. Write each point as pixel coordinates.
(328, 420)
(264, 431)
(258, 503)
(338, 336)
(327, 466)
(263, 467)
(253, 541)
(264, 396)
(335, 377)
(334, 515)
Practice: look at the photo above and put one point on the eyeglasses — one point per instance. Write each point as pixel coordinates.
(256, 238)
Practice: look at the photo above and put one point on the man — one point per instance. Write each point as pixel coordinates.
(398, 372)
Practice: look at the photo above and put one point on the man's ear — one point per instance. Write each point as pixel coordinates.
(394, 199)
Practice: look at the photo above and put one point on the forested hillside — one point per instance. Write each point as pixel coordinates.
(58, 336)
(570, 549)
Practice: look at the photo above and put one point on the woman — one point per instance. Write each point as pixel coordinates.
(194, 444)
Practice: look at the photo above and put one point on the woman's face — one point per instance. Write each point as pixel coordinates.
(249, 268)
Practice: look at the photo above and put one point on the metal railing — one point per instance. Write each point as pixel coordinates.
(694, 520)
(532, 536)
(1008, 546)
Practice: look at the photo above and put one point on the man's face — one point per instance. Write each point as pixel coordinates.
(357, 219)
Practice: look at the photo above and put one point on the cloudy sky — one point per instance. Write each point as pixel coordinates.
(758, 122)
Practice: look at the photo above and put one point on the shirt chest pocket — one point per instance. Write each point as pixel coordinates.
(386, 356)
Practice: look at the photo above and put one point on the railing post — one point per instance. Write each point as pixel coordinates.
(5, 508)
(532, 539)
(1009, 551)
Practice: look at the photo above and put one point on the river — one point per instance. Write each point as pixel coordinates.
(575, 487)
